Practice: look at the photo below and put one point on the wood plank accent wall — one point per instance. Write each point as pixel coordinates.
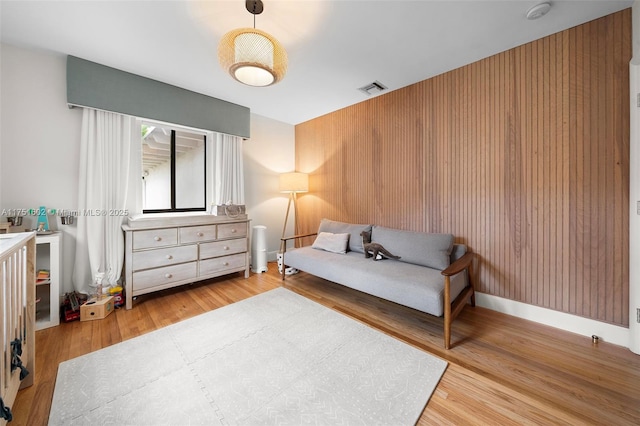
(524, 156)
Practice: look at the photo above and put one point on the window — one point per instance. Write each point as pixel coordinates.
(173, 169)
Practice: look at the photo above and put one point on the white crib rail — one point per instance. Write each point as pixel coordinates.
(17, 310)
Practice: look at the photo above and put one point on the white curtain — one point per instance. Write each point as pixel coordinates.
(229, 170)
(102, 198)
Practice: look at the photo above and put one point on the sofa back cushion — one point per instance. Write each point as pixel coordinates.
(419, 248)
(458, 251)
(354, 230)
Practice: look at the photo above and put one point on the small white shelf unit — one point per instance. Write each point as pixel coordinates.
(48, 294)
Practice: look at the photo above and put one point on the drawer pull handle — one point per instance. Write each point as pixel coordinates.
(226, 247)
(157, 238)
(225, 264)
(199, 234)
(233, 231)
(168, 275)
(169, 257)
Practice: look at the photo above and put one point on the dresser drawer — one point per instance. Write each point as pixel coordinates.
(222, 248)
(155, 238)
(232, 230)
(219, 264)
(194, 234)
(162, 276)
(164, 257)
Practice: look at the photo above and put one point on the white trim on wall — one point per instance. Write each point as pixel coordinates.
(575, 324)
(634, 183)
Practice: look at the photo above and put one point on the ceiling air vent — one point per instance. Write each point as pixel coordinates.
(373, 88)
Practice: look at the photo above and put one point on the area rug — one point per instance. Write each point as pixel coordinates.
(275, 358)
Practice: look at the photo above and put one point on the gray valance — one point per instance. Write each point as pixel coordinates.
(97, 86)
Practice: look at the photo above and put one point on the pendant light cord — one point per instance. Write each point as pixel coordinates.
(254, 7)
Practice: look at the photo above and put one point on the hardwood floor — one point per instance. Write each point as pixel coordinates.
(502, 370)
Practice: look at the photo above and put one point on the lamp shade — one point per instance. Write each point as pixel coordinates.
(252, 57)
(294, 182)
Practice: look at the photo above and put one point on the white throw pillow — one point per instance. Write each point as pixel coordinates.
(335, 243)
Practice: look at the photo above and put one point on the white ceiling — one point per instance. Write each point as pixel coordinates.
(334, 47)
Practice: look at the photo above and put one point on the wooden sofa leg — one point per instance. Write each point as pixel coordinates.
(283, 249)
(447, 313)
(447, 334)
(473, 289)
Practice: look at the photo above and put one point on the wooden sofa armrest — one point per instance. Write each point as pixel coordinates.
(453, 307)
(283, 241)
(293, 237)
(459, 265)
(283, 247)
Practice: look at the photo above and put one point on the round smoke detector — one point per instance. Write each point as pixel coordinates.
(538, 11)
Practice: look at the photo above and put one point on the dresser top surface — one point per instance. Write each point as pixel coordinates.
(155, 221)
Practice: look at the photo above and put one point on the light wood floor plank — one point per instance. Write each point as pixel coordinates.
(502, 370)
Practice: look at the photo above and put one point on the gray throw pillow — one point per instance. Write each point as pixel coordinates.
(335, 243)
(355, 240)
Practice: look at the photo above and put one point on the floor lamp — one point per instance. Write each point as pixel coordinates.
(292, 183)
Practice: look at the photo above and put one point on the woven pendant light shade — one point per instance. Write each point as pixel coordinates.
(252, 57)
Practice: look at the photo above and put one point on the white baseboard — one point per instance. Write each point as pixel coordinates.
(568, 322)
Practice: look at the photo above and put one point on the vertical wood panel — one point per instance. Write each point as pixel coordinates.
(523, 156)
(568, 260)
(622, 173)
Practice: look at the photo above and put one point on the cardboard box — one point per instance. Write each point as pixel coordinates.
(96, 309)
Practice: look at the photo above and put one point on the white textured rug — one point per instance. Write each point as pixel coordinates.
(276, 358)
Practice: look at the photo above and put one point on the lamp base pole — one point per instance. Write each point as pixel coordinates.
(286, 218)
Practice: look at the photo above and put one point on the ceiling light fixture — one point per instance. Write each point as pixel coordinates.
(538, 11)
(251, 56)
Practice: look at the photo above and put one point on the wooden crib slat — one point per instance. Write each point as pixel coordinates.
(4, 377)
(17, 311)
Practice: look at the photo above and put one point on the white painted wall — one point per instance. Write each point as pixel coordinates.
(0, 116)
(40, 146)
(268, 153)
(40, 141)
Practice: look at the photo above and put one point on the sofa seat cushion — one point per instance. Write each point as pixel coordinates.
(420, 248)
(415, 286)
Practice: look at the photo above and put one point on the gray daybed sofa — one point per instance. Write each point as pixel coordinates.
(433, 274)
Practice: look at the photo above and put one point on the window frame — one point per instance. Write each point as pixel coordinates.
(174, 127)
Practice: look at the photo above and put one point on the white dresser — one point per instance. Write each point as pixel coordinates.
(164, 252)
